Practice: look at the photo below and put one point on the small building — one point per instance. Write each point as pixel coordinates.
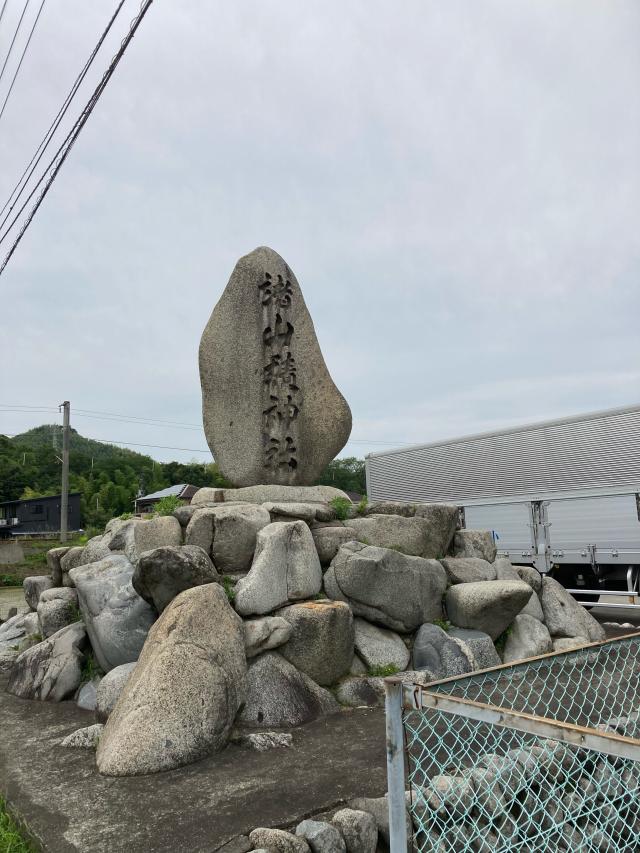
(37, 515)
(183, 491)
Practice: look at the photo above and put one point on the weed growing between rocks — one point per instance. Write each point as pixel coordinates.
(90, 669)
(12, 839)
(443, 623)
(501, 642)
(167, 505)
(229, 589)
(383, 671)
(341, 507)
(361, 509)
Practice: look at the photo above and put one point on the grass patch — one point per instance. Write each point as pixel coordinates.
(229, 588)
(361, 508)
(383, 671)
(442, 623)
(501, 641)
(341, 507)
(90, 670)
(10, 580)
(12, 837)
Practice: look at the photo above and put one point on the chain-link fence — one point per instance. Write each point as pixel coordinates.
(539, 755)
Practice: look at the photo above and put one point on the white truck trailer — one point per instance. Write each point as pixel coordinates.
(562, 495)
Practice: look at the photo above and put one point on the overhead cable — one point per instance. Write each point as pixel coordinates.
(26, 48)
(15, 35)
(75, 132)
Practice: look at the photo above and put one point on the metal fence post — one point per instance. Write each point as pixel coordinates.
(395, 766)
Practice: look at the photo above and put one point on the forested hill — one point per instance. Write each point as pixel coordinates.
(109, 478)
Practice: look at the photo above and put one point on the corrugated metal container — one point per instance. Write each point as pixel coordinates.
(593, 454)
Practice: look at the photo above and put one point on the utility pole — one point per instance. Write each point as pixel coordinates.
(64, 503)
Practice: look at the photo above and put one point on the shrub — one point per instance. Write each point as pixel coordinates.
(362, 506)
(442, 623)
(90, 669)
(167, 505)
(125, 516)
(341, 507)
(10, 580)
(383, 671)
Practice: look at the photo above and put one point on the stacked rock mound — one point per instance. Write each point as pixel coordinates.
(259, 607)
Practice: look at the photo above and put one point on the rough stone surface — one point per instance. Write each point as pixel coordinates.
(54, 555)
(285, 568)
(110, 689)
(86, 738)
(96, 549)
(379, 647)
(180, 701)
(264, 741)
(438, 532)
(475, 543)
(184, 514)
(563, 615)
(228, 534)
(156, 532)
(58, 607)
(321, 641)
(120, 536)
(321, 837)
(52, 669)
(563, 644)
(34, 587)
(490, 606)
(531, 576)
(270, 492)
(398, 591)
(358, 692)
(468, 569)
(435, 650)
(86, 696)
(12, 632)
(528, 638)
(358, 829)
(280, 695)
(271, 411)
(283, 511)
(329, 539)
(277, 841)
(69, 561)
(164, 572)
(479, 645)
(378, 808)
(31, 624)
(268, 632)
(407, 535)
(117, 619)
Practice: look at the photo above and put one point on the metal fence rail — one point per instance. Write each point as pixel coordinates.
(538, 755)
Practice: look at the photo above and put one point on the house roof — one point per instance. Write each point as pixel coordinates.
(164, 493)
(37, 500)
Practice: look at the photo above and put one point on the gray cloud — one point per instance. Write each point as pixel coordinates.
(455, 184)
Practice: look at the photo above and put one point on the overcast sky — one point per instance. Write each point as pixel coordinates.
(455, 184)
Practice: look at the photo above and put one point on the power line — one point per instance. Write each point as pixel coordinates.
(55, 124)
(15, 35)
(26, 47)
(75, 132)
(4, 6)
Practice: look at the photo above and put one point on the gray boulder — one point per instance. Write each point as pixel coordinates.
(285, 568)
(565, 644)
(96, 549)
(378, 808)
(530, 575)
(528, 637)
(31, 625)
(358, 692)
(54, 555)
(86, 738)
(321, 837)
(442, 522)
(280, 695)
(359, 830)
(264, 741)
(329, 539)
(411, 536)
(180, 701)
(268, 632)
(398, 591)
(57, 608)
(435, 650)
(119, 536)
(117, 618)
(379, 647)
(110, 689)
(478, 646)
(321, 641)
(490, 606)
(12, 633)
(474, 543)
(271, 411)
(564, 616)
(86, 696)
(228, 534)
(506, 572)
(184, 514)
(52, 669)
(468, 569)
(69, 561)
(34, 587)
(269, 492)
(309, 512)
(156, 532)
(164, 572)
(277, 841)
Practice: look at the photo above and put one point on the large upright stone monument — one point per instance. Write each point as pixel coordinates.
(271, 411)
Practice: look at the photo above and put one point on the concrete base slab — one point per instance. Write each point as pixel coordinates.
(68, 806)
